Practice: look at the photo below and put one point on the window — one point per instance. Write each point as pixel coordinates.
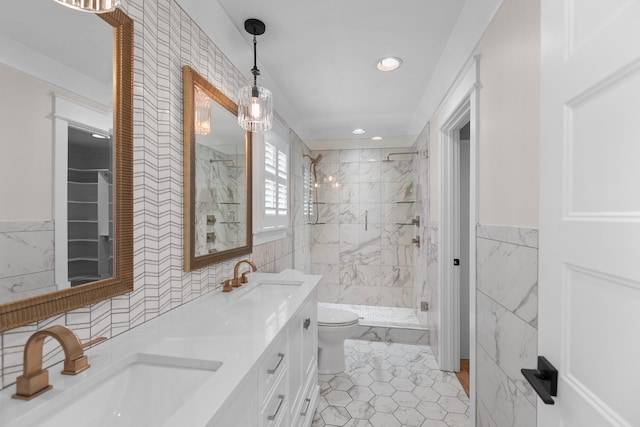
(271, 184)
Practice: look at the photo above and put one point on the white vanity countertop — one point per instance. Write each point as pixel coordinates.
(233, 328)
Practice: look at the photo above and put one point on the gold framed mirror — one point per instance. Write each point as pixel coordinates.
(217, 176)
(28, 310)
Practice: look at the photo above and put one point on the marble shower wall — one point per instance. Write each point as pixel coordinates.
(26, 250)
(507, 325)
(165, 39)
(361, 243)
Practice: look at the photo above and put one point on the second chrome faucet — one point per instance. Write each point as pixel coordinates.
(236, 282)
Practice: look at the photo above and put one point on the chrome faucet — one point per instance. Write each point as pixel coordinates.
(35, 380)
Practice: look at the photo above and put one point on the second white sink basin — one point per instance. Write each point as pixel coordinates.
(268, 291)
(280, 282)
(145, 390)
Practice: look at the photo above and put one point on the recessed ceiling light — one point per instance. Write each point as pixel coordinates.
(358, 131)
(376, 138)
(389, 63)
(97, 135)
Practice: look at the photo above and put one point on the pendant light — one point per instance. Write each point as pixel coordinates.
(255, 104)
(94, 6)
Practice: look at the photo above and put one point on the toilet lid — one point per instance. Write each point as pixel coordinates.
(336, 317)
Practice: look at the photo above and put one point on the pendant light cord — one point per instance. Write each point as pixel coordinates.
(255, 70)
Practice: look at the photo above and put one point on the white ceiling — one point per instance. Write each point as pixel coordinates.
(321, 56)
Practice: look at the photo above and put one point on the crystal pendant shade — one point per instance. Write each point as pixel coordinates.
(95, 6)
(255, 108)
(202, 113)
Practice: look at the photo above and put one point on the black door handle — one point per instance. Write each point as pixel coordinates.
(544, 380)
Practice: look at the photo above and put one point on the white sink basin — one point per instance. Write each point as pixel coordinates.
(280, 282)
(269, 291)
(145, 390)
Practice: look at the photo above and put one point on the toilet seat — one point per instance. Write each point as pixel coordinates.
(331, 317)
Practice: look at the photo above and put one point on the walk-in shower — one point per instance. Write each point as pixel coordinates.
(361, 237)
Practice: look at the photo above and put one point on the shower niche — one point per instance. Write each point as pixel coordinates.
(89, 207)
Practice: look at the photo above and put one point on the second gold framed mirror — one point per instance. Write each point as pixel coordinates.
(217, 176)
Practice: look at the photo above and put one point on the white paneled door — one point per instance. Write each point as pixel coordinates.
(589, 324)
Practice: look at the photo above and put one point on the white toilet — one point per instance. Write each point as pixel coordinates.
(334, 326)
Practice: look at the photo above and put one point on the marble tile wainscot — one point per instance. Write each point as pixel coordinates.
(27, 258)
(507, 315)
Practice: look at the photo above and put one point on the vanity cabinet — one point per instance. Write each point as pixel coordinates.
(282, 389)
(303, 349)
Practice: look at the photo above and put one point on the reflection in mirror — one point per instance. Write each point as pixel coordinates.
(220, 185)
(89, 207)
(41, 75)
(217, 176)
(57, 91)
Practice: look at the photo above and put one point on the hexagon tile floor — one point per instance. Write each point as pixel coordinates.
(390, 385)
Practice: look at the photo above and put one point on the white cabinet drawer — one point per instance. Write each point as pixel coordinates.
(272, 365)
(274, 411)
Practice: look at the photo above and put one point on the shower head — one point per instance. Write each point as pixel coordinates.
(388, 159)
(314, 160)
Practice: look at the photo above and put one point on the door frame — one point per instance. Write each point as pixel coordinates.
(459, 107)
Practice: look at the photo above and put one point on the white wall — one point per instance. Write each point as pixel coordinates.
(509, 117)
(26, 162)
